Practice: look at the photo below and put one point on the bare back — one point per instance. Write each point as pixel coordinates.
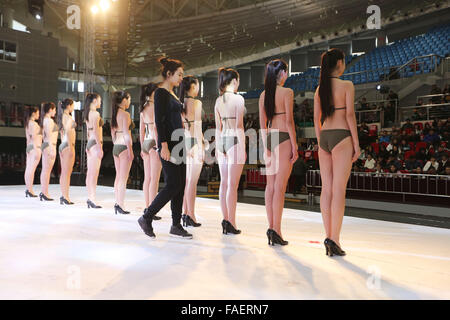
(93, 125)
(148, 118)
(123, 127)
(342, 100)
(230, 113)
(284, 99)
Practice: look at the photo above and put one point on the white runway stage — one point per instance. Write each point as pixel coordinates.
(49, 251)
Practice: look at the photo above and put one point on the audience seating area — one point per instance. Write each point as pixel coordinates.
(381, 61)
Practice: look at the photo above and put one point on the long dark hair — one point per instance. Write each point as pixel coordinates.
(62, 105)
(226, 75)
(169, 65)
(29, 110)
(185, 86)
(146, 92)
(328, 64)
(90, 97)
(273, 69)
(117, 98)
(45, 108)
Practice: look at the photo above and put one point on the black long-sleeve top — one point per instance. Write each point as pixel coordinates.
(167, 117)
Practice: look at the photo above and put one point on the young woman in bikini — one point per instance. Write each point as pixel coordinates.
(229, 116)
(67, 147)
(276, 118)
(192, 115)
(335, 127)
(148, 137)
(48, 147)
(33, 134)
(94, 146)
(121, 126)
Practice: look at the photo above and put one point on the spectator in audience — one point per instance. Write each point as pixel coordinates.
(395, 151)
(419, 102)
(393, 161)
(370, 162)
(417, 170)
(393, 169)
(440, 152)
(435, 90)
(389, 113)
(446, 171)
(404, 146)
(417, 129)
(443, 162)
(381, 161)
(385, 137)
(408, 125)
(370, 150)
(431, 163)
(431, 137)
(419, 114)
(299, 173)
(378, 169)
(363, 104)
(421, 155)
(391, 145)
(411, 163)
(383, 152)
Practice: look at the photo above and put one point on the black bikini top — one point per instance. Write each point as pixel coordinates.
(188, 122)
(269, 123)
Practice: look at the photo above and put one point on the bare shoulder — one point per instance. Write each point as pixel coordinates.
(197, 103)
(348, 84)
(288, 91)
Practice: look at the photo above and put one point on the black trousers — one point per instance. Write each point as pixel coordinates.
(175, 178)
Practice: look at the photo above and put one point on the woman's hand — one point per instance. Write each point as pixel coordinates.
(142, 153)
(294, 153)
(356, 153)
(130, 154)
(165, 153)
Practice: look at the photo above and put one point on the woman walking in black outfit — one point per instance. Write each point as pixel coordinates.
(169, 126)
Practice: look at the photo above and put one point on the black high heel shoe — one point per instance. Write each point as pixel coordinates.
(224, 226)
(29, 194)
(121, 211)
(188, 221)
(90, 204)
(183, 219)
(333, 249)
(230, 229)
(42, 196)
(63, 200)
(269, 234)
(277, 239)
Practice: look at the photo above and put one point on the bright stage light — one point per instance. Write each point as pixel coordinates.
(94, 9)
(38, 16)
(104, 4)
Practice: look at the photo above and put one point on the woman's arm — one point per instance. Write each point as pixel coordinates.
(126, 121)
(317, 115)
(289, 107)
(241, 113)
(218, 125)
(351, 117)
(141, 128)
(96, 120)
(263, 120)
(198, 120)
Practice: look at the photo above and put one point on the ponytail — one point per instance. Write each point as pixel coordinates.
(117, 99)
(185, 86)
(270, 84)
(62, 105)
(45, 108)
(226, 75)
(146, 92)
(29, 110)
(328, 64)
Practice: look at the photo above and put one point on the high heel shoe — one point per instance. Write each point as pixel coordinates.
(231, 229)
(63, 200)
(333, 249)
(183, 219)
(269, 234)
(277, 239)
(188, 221)
(29, 194)
(43, 196)
(224, 226)
(90, 204)
(121, 211)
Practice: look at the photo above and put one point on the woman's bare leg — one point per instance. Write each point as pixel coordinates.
(146, 184)
(155, 174)
(326, 174)
(191, 191)
(223, 169)
(33, 158)
(48, 160)
(342, 165)
(122, 173)
(282, 154)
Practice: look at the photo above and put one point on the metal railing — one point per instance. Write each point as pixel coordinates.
(431, 96)
(398, 183)
(441, 110)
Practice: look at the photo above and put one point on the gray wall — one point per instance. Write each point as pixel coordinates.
(35, 74)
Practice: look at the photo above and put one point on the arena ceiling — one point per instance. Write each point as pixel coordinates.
(132, 34)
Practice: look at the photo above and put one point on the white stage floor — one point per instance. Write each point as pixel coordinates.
(49, 251)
